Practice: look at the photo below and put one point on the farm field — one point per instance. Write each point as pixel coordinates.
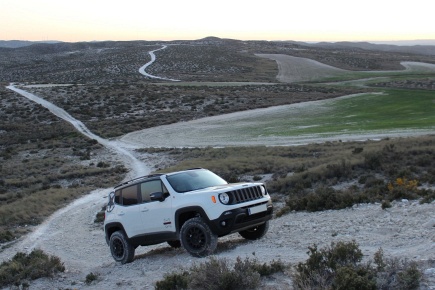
(388, 113)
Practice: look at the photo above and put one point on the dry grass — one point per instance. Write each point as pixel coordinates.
(44, 165)
(44, 159)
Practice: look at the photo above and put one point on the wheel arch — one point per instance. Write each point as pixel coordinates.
(109, 229)
(186, 213)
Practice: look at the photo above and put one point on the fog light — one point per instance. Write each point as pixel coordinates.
(223, 223)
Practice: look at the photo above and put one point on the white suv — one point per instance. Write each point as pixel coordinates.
(190, 208)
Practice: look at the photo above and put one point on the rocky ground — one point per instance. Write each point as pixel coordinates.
(404, 231)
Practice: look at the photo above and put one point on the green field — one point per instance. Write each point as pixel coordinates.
(390, 110)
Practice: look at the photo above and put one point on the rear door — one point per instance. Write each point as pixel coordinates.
(128, 211)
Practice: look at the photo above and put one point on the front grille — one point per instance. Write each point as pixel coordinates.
(245, 194)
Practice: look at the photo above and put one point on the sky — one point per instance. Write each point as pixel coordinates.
(304, 20)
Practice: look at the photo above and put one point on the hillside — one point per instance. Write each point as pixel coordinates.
(54, 180)
(209, 59)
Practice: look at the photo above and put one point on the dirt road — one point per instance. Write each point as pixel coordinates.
(405, 231)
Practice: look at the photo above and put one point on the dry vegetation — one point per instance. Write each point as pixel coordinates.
(330, 176)
(45, 164)
(114, 110)
(42, 156)
(419, 84)
(209, 59)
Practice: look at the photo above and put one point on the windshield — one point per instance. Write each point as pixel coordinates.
(194, 180)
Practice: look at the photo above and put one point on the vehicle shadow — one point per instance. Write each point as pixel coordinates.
(168, 251)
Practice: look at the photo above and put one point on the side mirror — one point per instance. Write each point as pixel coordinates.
(157, 196)
(111, 203)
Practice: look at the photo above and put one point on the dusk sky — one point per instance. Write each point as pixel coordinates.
(315, 20)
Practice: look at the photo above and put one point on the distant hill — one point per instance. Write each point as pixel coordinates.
(407, 42)
(21, 43)
(414, 49)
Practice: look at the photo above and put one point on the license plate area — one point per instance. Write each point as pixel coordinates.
(257, 209)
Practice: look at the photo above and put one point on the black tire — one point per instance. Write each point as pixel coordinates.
(175, 243)
(255, 233)
(120, 248)
(197, 238)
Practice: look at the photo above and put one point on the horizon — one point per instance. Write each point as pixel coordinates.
(276, 20)
(394, 42)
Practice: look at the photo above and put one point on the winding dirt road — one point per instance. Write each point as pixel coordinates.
(406, 230)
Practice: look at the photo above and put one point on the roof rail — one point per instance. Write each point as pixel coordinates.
(137, 178)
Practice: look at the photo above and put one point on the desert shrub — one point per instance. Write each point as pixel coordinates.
(173, 281)
(6, 236)
(324, 198)
(268, 269)
(99, 217)
(31, 266)
(338, 170)
(428, 195)
(410, 277)
(103, 164)
(360, 277)
(386, 204)
(404, 188)
(256, 178)
(373, 160)
(320, 269)
(339, 266)
(371, 181)
(91, 277)
(393, 273)
(219, 274)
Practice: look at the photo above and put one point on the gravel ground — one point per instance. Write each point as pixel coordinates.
(407, 230)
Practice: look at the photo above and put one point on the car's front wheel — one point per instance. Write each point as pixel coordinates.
(255, 233)
(197, 238)
(120, 248)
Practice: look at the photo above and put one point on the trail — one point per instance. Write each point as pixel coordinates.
(153, 59)
(406, 230)
(70, 233)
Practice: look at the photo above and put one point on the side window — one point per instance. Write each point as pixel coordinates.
(118, 197)
(129, 195)
(146, 188)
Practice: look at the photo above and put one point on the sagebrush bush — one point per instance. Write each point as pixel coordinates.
(173, 281)
(339, 266)
(24, 267)
(216, 274)
(219, 274)
(91, 277)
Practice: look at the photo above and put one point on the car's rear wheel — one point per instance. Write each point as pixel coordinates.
(197, 238)
(255, 233)
(120, 248)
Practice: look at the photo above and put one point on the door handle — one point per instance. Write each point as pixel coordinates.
(144, 209)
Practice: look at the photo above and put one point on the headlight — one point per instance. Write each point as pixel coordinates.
(224, 198)
(263, 190)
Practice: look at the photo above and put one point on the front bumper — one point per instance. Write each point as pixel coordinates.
(239, 219)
